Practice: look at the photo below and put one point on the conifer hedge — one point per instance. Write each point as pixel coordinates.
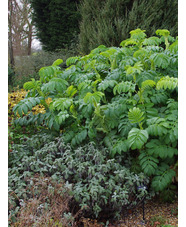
(108, 22)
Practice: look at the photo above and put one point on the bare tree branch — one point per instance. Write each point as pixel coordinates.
(21, 28)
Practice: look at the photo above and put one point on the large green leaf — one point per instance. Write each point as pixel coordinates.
(137, 68)
(25, 105)
(157, 149)
(57, 84)
(57, 62)
(61, 117)
(161, 60)
(141, 53)
(119, 147)
(167, 83)
(138, 34)
(163, 32)
(174, 47)
(98, 120)
(61, 104)
(159, 97)
(46, 73)
(78, 138)
(147, 84)
(93, 98)
(32, 84)
(152, 41)
(50, 121)
(71, 91)
(72, 60)
(163, 177)
(137, 138)
(106, 83)
(124, 87)
(135, 115)
(148, 163)
(157, 126)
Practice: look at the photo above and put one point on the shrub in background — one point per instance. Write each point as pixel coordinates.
(108, 22)
(56, 22)
(27, 67)
(46, 58)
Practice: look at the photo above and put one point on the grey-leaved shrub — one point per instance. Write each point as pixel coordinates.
(98, 183)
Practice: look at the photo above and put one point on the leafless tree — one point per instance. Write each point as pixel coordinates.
(10, 31)
(20, 28)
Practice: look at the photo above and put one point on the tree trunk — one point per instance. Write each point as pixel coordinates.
(10, 38)
(29, 39)
(11, 53)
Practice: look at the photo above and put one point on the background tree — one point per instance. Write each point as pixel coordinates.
(11, 7)
(56, 22)
(28, 27)
(21, 30)
(110, 21)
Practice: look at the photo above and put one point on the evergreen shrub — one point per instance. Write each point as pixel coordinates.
(108, 22)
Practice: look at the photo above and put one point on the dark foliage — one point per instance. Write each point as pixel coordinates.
(108, 22)
(56, 22)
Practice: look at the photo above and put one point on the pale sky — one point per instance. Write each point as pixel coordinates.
(36, 44)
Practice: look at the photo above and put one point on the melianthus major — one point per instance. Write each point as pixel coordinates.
(125, 97)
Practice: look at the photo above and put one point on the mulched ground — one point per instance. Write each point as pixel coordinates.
(157, 214)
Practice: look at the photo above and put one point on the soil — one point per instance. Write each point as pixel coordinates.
(156, 214)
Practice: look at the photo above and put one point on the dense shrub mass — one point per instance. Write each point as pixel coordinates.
(97, 182)
(56, 22)
(27, 67)
(46, 204)
(124, 100)
(108, 22)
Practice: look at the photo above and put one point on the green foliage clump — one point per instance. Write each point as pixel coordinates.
(123, 98)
